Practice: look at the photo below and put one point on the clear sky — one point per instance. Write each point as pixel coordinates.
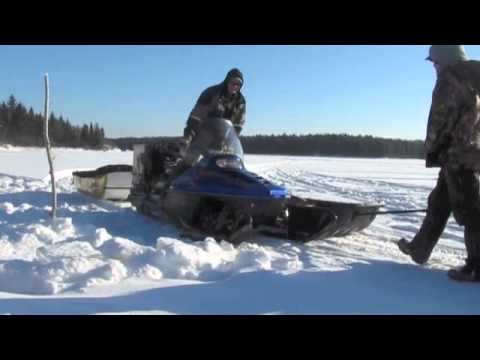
(149, 90)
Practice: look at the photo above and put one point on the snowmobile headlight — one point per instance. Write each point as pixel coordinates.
(229, 164)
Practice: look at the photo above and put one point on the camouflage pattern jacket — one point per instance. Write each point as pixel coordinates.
(453, 130)
(215, 102)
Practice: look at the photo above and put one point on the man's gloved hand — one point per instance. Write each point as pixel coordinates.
(431, 160)
(437, 159)
(179, 147)
(183, 144)
(185, 141)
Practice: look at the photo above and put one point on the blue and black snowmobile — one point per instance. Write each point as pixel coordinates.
(208, 192)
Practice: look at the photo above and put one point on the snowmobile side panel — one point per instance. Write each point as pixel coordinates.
(188, 206)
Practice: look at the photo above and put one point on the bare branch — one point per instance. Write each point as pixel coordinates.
(53, 213)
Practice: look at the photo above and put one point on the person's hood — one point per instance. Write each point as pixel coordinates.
(234, 73)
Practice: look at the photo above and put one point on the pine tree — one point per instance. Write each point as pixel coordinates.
(3, 121)
(84, 136)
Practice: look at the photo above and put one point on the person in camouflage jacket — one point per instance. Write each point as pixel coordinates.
(453, 144)
(224, 100)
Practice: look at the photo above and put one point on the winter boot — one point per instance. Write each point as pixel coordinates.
(469, 272)
(408, 249)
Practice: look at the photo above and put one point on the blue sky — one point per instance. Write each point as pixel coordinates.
(149, 90)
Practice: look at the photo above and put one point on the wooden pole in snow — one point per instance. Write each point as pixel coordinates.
(53, 213)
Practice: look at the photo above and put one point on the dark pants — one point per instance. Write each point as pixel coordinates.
(457, 192)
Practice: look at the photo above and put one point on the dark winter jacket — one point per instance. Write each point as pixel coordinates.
(216, 102)
(453, 131)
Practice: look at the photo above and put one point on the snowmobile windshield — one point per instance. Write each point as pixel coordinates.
(216, 136)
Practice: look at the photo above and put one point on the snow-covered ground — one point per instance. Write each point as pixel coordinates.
(101, 257)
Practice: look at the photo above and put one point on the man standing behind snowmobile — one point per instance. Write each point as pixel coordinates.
(223, 100)
(453, 144)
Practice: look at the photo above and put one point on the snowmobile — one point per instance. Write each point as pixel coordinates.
(206, 190)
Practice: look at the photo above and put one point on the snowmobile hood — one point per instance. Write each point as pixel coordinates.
(208, 178)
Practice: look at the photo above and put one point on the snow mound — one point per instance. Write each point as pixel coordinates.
(43, 256)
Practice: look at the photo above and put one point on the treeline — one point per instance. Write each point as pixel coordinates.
(127, 143)
(313, 145)
(22, 127)
(333, 145)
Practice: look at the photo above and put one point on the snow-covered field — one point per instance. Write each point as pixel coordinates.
(101, 257)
